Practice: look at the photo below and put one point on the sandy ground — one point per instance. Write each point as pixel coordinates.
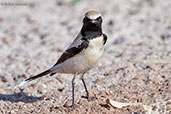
(136, 66)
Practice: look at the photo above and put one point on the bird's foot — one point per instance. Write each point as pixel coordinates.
(74, 106)
(90, 98)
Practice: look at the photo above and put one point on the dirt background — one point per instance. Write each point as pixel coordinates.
(136, 66)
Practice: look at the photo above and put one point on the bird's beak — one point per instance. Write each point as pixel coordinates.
(93, 21)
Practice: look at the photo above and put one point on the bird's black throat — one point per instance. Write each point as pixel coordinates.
(91, 30)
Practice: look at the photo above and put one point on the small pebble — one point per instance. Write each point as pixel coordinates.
(2, 91)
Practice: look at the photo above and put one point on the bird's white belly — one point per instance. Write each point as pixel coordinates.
(82, 62)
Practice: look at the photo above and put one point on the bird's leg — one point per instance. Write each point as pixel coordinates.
(73, 83)
(88, 97)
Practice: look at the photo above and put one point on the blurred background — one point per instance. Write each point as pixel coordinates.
(33, 34)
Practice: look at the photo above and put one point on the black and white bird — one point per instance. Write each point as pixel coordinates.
(83, 54)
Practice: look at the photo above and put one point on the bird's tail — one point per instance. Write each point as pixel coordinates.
(35, 77)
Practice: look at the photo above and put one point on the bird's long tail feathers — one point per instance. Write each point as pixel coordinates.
(35, 77)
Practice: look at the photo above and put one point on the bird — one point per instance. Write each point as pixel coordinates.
(83, 53)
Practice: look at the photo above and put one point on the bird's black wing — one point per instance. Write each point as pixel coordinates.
(73, 51)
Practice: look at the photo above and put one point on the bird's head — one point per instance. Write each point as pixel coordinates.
(92, 21)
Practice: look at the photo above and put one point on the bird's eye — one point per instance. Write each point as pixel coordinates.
(86, 19)
(99, 19)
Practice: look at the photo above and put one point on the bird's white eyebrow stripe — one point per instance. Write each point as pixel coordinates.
(92, 15)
